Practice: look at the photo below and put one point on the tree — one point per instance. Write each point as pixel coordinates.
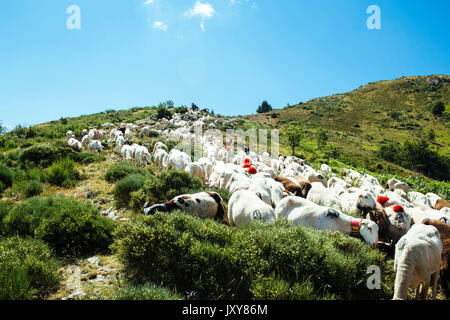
(438, 108)
(264, 107)
(294, 136)
(322, 138)
(2, 128)
(162, 112)
(166, 104)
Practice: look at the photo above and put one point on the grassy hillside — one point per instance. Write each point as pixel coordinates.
(113, 257)
(360, 121)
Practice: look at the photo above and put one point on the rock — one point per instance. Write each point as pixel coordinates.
(112, 216)
(75, 295)
(107, 211)
(74, 278)
(124, 219)
(99, 278)
(94, 260)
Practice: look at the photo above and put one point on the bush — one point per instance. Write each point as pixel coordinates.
(63, 173)
(164, 187)
(418, 156)
(184, 253)
(163, 113)
(6, 178)
(87, 157)
(5, 207)
(69, 226)
(121, 170)
(43, 155)
(33, 188)
(273, 288)
(264, 107)
(437, 108)
(124, 188)
(27, 269)
(181, 110)
(145, 292)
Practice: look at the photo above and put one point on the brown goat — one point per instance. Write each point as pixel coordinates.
(300, 189)
(441, 203)
(444, 231)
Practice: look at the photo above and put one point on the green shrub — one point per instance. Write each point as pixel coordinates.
(6, 177)
(69, 226)
(43, 155)
(63, 173)
(124, 188)
(162, 112)
(187, 254)
(145, 292)
(164, 187)
(417, 156)
(27, 269)
(121, 170)
(181, 110)
(273, 288)
(33, 188)
(437, 108)
(5, 207)
(87, 157)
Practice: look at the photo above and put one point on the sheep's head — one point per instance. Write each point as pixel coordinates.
(399, 219)
(366, 201)
(369, 231)
(151, 210)
(148, 158)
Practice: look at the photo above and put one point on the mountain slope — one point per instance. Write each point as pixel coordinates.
(361, 120)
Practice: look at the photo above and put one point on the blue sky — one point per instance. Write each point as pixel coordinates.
(221, 54)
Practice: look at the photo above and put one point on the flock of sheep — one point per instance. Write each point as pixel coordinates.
(413, 226)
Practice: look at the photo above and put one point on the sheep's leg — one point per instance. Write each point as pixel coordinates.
(417, 292)
(434, 279)
(425, 287)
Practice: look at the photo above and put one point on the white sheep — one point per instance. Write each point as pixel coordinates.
(245, 206)
(299, 211)
(417, 261)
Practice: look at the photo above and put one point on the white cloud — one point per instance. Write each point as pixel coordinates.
(202, 26)
(204, 10)
(148, 2)
(159, 25)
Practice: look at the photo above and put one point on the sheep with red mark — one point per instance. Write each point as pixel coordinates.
(299, 211)
(400, 222)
